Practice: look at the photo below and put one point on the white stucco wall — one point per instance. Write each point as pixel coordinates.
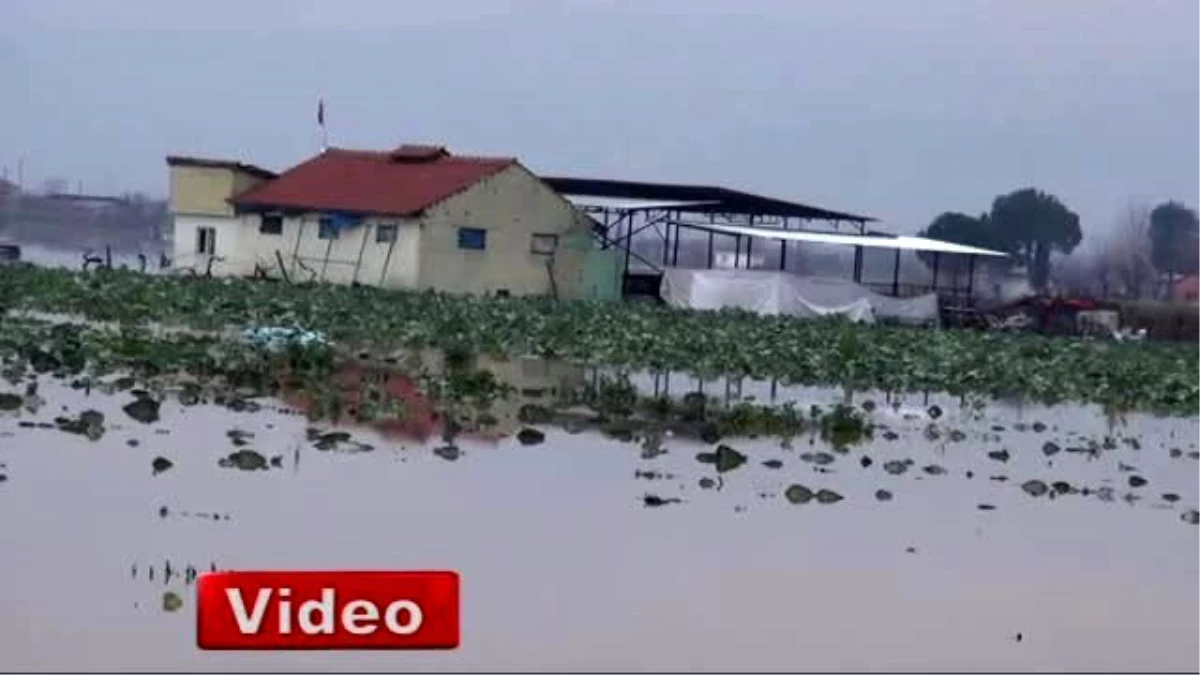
(229, 233)
(354, 255)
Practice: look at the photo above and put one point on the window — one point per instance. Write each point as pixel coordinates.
(385, 233)
(544, 244)
(206, 240)
(327, 228)
(472, 238)
(271, 223)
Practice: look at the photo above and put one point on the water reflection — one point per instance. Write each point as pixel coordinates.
(921, 545)
(406, 404)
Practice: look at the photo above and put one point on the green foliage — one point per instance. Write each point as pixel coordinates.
(634, 337)
(1028, 224)
(958, 228)
(1032, 224)
(844, 426)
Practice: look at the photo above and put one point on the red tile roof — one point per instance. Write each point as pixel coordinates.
(401, 182)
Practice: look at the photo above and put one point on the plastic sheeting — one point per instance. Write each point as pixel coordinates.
(767, 292)
(275, 338)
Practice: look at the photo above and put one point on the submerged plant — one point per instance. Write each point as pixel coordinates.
(632, 337)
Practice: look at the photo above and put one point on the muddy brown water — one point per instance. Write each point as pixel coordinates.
(564, 567)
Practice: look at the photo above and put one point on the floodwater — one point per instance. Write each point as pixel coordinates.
(50, 256)
(564, 567)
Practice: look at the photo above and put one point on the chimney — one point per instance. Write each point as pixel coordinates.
(410, 153)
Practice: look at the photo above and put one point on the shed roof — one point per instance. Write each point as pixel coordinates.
(871, 241)
(400, 182)
(181, 160)
(692, 198)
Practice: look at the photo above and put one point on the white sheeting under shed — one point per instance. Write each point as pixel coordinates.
(768, 292)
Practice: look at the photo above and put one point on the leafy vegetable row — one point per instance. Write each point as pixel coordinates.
(1148, 376)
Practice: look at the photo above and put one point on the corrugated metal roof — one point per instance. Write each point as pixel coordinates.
(871, 241)
(715, 199)
(616, 203)
(180, 160)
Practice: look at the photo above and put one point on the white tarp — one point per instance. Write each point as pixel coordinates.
(768, 292)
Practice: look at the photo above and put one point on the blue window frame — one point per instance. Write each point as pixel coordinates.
(472, 238)
(327, 228)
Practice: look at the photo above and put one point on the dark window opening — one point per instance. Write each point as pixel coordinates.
(271, 224)
(472, 238)
(385, 233)
(327, 229)
(206, 240)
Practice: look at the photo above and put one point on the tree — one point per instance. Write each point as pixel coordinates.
(1173, 232)
(958, 228)
(1031, 224)
(1127, 254)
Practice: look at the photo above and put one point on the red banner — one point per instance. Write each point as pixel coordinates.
(328, 610)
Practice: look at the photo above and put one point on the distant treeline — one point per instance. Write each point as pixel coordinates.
(1147, 255)
(66, 221)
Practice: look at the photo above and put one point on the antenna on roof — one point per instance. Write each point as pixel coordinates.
(321, 123)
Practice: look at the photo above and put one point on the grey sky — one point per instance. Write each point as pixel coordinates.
(896, 108)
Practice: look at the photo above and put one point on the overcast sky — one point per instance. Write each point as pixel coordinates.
(898, 109)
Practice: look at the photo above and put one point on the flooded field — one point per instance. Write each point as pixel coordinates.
(1003, 539)
(73, 258)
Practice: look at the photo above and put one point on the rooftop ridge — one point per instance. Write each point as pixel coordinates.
(385, 155)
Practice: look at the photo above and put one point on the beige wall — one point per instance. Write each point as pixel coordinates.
(511, 206)
(205, 190)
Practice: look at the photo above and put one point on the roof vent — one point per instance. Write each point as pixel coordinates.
(419, 153)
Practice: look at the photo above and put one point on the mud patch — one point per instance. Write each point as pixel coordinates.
(244, 460)
(530, 436)
(143, 409)
(725, 458)
(159, 465)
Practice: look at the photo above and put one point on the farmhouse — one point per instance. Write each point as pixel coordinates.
(416, 217)
(419, 217)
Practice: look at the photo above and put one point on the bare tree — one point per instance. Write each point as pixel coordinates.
(1119, 265)
(1127, 254)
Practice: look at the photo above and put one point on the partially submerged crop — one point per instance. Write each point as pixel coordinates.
(1151, 376)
